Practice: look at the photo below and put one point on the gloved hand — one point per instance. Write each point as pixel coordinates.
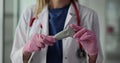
(87, 39)
(37, 42)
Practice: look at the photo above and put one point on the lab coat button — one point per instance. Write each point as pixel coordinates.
(66, 58)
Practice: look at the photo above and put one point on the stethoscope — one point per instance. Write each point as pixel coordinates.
(80, 52)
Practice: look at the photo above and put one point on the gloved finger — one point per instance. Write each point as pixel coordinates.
(37, 49)
(42, 45)
(77, 39)
(41, 37)
(40, 40)
(75, 27)
(36, 35)
(85, 36)
(51, 44)
(34, 48)
(90, 47)
(48, 42)
(50, 38)
(79, 33)
(45, 41)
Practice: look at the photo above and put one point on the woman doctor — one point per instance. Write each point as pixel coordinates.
(34, 41)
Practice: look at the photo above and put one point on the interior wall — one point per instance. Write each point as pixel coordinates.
(8, 30)
(23, 4)
(1, 27)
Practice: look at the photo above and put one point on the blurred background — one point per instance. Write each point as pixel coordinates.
(109, 19)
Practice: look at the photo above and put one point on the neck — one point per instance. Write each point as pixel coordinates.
(58, 3)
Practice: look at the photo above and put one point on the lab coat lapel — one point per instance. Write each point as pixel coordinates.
(71, 17)
(44, 20)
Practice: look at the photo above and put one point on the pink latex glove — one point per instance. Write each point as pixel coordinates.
(87, 39)
(37, 42)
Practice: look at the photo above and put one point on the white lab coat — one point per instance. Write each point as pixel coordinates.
(24, 32)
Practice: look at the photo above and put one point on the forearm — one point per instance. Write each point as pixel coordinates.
(26, 57)
(92, 58)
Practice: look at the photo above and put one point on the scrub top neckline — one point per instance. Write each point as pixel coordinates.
(55, 9)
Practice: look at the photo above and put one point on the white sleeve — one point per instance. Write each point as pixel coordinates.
(96, 30)
(19, 39)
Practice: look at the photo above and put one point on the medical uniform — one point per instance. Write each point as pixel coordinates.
(24, 32)
(56, 23)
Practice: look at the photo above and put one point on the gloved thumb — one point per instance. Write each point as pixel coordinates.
(49, 38)
(75, 27)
